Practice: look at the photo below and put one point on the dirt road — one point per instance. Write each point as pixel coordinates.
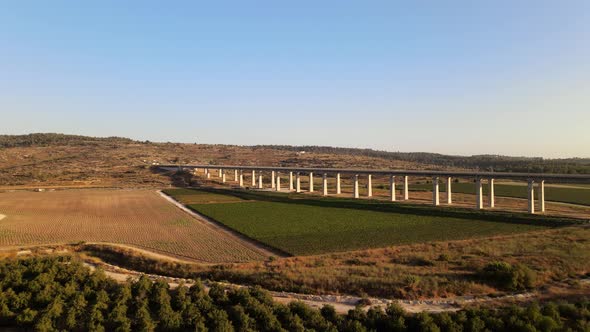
(342, 303)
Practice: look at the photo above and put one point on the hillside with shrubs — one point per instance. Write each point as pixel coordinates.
(59, 160)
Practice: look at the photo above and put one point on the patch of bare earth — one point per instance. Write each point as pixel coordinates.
(137, 218)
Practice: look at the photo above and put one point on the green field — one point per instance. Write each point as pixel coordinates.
(303, 226)
(189, 196)
(555, 194)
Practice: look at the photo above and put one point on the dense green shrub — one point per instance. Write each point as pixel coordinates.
(507, 276)
(60, 294)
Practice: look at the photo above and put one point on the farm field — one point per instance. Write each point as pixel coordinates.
(307, 227)
(139, 218)
(573, 195)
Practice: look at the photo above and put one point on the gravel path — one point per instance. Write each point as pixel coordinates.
(342, 303)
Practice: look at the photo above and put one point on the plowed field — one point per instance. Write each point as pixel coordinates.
(139, 218)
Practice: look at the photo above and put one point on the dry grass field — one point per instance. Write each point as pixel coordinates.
(139, 218)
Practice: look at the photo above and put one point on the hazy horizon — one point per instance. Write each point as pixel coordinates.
(296, 145)
(457, 78)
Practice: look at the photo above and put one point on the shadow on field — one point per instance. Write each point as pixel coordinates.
(179, 178)
(405, 208)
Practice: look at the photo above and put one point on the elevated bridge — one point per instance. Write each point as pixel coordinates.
(536, 181)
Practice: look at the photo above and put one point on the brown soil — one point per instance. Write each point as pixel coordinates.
(138, 218)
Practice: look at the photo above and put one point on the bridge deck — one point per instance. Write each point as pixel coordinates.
(579, 178)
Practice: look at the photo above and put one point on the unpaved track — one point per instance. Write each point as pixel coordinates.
(342, 303)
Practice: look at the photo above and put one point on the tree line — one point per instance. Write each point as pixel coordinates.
(60, 294)
(49, 139)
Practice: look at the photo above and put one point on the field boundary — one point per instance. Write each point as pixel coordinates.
(148, 252)
(265, 249)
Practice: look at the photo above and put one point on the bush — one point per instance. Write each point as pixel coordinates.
(444, 257)
(507, 276)
(90, 301)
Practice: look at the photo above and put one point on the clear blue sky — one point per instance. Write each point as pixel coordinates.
(458, 77)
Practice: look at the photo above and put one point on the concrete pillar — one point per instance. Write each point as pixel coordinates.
(338, 188)
(492, 202)
(290, 180)
(260, 180)
(435, 193)
(223, 177)
(542, 195)
(531, 196)
(392, 188)
(272, 180)
(478, 194)
(220, 172)
(310, 182)
(406, 189)
(207, 173)
(297, 182)
(241, 178)
(278, 186)
(369, 185)
(449, 190)
(325, 184)
(235, 175)
(355, 191)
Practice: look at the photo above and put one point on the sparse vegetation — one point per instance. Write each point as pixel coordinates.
(79, 161)
(137, 262)
(52, 139)
(61, 160)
